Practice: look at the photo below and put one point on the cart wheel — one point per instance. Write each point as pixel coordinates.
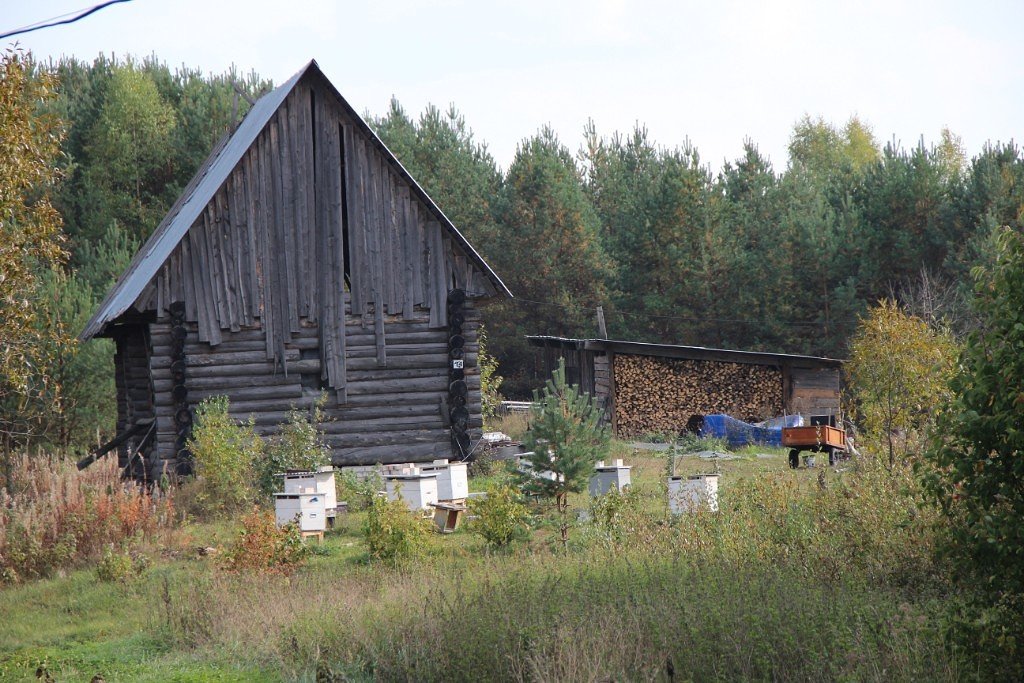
(794, 458)
(832, 457)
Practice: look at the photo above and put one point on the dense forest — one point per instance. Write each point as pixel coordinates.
(750, 257)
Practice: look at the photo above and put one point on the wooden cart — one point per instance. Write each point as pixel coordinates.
(818, 439)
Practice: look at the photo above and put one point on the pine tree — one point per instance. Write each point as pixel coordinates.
(565, 439)
(550, 253)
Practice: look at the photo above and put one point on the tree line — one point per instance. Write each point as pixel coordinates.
(748, 257)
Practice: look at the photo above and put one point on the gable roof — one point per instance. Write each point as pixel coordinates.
(212, 175)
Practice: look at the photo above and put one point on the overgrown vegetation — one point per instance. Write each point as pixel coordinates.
(299, 445)
(53, 517)
(976, 470)
(490, 380)
(262, 546)
(394, 534)
(790, 581)
(501, 517)
(226, 455)
(119, 566)
(899, 371)
(358, 493)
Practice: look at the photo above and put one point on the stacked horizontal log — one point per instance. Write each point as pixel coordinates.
(393, 411)
(659, 395)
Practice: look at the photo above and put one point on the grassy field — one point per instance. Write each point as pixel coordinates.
(807, 575)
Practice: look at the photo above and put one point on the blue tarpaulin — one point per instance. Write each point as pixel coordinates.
(738, 433)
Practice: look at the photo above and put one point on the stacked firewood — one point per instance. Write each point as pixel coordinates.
(659, 395)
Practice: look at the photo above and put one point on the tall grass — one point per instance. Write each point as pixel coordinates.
(55, 517)
(787, 582)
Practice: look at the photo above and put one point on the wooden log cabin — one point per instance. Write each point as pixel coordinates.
(657, 388)
(302, 260)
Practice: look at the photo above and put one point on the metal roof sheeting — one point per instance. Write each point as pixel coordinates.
(678, 351)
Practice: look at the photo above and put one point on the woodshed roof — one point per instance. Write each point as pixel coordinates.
(687, 352)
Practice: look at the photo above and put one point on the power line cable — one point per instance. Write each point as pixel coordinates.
(48, 23)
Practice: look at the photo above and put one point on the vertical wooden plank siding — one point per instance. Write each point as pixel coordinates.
(254, 236)
(269, 251)
(353, 180)
(336, 260)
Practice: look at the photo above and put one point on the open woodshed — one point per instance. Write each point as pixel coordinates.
(301, 260)
(658, 388)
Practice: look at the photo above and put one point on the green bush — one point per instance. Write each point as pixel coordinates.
(299, 445)
(688, 442)
(975, 472)
(225, 454)
(898, 374)
(500, 516)
(393, 533)
(120, 567)
(359, 493)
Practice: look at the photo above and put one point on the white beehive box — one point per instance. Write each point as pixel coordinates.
(527, 468)
(321, 481)
(417, 490)
(308, 508)
(452, 479)
(688, 494)
(399, 468)
(606, 477)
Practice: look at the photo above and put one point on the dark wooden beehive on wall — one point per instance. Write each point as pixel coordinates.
(302, 260)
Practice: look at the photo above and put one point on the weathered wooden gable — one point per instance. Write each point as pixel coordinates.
(316, 221)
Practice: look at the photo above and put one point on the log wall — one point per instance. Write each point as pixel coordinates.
(658, 395)
(394, 411)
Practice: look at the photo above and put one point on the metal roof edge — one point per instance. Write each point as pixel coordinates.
(176, 223)
(666, 349)
(416, 187)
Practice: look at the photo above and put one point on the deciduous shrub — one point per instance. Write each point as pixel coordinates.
(393, 533)
(500, 516)
(225, 454)
(118, 566)
(899, 369)
(262, 546)
(299, 445)
(359, 493)
(490, 380)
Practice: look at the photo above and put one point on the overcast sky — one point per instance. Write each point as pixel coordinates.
(713, 72)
